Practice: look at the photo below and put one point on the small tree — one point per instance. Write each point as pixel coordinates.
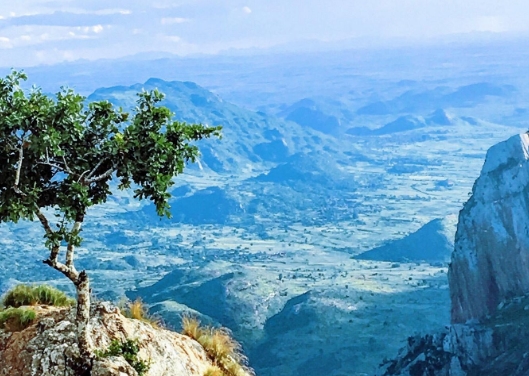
(58, 157)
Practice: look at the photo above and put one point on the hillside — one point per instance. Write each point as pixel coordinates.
(433, 242)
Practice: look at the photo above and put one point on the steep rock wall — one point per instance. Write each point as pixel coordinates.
(490, 261)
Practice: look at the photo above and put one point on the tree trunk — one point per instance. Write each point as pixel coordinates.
(82, 317)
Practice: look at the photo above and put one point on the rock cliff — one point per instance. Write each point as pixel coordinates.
(490, 261)
(488, 279)
(48, 346)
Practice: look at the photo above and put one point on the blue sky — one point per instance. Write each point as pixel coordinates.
(48, 31)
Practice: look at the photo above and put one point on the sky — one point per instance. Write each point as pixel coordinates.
(34, 32)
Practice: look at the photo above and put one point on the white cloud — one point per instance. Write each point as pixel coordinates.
(97, 29)
(109, 11)
(173, 20)
(174, 38)
(493, 24)
(24, 36)
(5, 42)
(247, 10)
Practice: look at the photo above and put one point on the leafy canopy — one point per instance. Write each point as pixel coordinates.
(60, 153)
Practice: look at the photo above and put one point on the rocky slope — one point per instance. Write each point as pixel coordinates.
(488, 279)
(48, 347)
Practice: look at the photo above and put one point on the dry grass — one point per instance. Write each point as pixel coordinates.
(214, 371)
(191, 327)
(137, 310)
(224, 352)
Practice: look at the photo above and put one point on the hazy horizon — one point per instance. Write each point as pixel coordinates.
(36, 32)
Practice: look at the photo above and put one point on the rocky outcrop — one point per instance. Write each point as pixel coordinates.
(48, 347)
(497, 346)
(491, 258)
(457, 351)
(488, 278)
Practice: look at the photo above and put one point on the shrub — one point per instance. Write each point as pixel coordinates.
(224, 352)
(129, 351)
(138, 311)
(25, 295)
(16, 319)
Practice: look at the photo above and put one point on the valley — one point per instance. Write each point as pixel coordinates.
(312, 241)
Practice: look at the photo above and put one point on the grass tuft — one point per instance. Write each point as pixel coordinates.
(214, 371)
(16, 319)
(224, 352)
(191, 327)
(137, 310)
(26, 295)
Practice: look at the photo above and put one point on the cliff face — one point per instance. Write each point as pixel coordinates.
(490, 261)
(48, 347)
(488, 278)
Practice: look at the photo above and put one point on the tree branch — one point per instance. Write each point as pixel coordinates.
(69, 272)
(45, 223)
(103, 176)
(47, 163)
(70, 249)
(66, 166)
(19, 168)
(91, 174)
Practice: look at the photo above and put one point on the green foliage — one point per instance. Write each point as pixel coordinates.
(61, 153)
(23, 295)
(128, 350)
(16, 319)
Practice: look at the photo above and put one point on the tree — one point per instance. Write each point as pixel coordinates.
(59, 155)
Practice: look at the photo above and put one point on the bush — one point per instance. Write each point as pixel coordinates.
(138, 311)
(25, 295)
(128, 350)
(16, 319)
(224, 352)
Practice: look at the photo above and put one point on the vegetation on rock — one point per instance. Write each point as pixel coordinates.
(222, 349)
(16, 319)
(129, 350)
(26, 295)
(14, 313)
(137, 310)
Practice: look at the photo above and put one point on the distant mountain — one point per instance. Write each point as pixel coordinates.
(440, 117)
(308, 114)
(314, 168)
(418, 101)
(402, 124)
(210, 205)
(437, 118)
(433, 242)
(249, 138)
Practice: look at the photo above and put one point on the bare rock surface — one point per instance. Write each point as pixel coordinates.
(491, 258)
(488, 279)
(48, 347)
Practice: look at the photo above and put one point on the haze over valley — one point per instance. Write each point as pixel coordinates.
(320, 227)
